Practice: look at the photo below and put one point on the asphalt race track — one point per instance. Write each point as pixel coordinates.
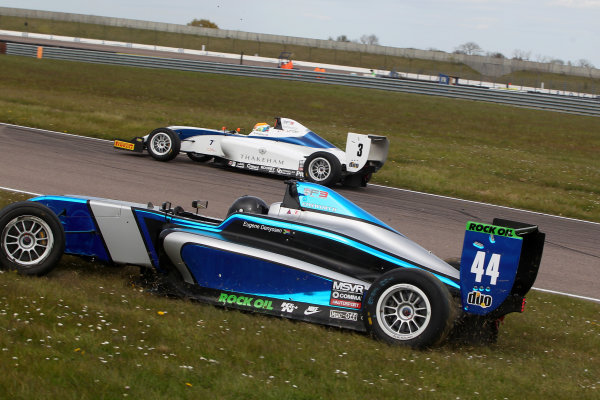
(47, 162)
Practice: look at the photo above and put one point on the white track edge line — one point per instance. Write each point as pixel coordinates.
(55, 132)
(567, 294)
(19, 191)
(487, 204)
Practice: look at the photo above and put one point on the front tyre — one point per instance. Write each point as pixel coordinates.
(32, 239)
(163, 144)
(408, 307)
(322, 168)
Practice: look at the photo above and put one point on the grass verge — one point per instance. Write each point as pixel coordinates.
(86, 332)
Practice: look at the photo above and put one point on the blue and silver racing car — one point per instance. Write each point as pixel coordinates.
(315, 256)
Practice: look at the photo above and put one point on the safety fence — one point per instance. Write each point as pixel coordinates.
(552, 102)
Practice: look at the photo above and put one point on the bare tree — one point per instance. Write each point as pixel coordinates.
(495, 54)
(469, 48)
(542, 59)
(369, 39)
(585, 63)
(203, 23)
(521, 55)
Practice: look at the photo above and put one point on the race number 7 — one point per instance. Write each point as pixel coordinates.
(492, 270)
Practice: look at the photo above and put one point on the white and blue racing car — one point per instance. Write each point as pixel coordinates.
(287, 148)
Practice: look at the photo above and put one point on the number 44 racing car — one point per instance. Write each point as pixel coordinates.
(315, 256)
(287, 148)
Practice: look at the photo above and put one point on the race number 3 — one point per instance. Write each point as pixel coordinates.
(360, 150)
(492, 270)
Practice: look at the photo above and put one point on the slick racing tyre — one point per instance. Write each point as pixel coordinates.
(356, 180)
(408, 307)
(454, 262)
(163, 144)
(32, 239)
(199, 157)
(322, 168)
(472, 329)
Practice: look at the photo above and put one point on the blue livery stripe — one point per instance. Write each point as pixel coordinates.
(311, 139)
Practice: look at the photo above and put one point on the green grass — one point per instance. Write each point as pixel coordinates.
(304, 53)
(531, 159)
(87, 331)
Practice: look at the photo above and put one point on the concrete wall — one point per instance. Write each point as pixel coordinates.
(487, 66)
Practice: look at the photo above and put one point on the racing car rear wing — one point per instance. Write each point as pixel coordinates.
(499, 265)
(361, 149)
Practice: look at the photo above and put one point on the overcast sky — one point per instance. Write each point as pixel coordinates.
(568, 30)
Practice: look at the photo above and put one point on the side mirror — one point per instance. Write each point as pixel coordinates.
(166, 206)
(197, 204)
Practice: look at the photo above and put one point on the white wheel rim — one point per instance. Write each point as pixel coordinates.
(403, 311)
(319, 169)
(27, 240)
(160, 143)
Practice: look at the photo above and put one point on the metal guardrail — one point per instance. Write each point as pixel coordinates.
(567, 104)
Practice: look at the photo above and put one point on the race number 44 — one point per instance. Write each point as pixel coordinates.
(492, 270)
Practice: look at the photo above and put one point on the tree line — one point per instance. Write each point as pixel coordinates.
(472, 48)
(468, 48)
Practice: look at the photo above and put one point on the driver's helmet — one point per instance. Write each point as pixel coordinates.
(248, 204)
(261, 127)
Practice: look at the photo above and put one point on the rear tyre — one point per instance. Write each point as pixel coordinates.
(199, 157)
(356, 180)
(163, 144)
(476, 330)
(322, 168)
(454, 262)
(32, 239)
(408, 307)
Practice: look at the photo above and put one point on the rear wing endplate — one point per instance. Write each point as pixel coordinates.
(499, 264)
(363, 148)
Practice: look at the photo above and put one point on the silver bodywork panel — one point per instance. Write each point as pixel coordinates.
(120, 232)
